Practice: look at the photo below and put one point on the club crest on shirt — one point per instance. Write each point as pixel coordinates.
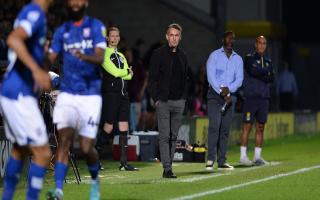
(65, 35)
(248, 116)
(86, 32)
(33, 16)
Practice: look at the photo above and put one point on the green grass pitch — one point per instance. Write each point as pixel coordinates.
(294, 173)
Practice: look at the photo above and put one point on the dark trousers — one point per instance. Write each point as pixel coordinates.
(169, 116)
(219, 126)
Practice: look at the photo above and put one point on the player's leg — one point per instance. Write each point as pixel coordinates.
(38, 143)
(18, 153)
(91, 154)
(25, 127)
(249, 110)
(65, 116)
(259, 134)
(13, 170)
(245, 134)
(244, 160)
(89, 108)
(93, 163)
(38, 167)
(259, 139)
(262, 115)
(258, 160)
(65, 140)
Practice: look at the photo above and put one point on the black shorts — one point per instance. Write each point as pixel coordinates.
(115, 108)
(255, 109)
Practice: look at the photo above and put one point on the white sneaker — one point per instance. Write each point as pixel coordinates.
(209, 165)
(226, 166)
(260, 162)
(245, 161)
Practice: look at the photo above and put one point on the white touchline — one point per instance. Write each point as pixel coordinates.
(199, 178)
(87, 179)
(201, 194)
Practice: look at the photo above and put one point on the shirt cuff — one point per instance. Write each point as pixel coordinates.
(101, 45)
(26, 25)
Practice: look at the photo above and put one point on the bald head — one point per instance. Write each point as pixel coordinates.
(261, 37)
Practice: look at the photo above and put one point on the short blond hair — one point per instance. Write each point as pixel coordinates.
(175, 26)
(112, 28)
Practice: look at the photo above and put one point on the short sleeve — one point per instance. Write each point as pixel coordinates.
(30, 19)
(57, 42)
(99, 37)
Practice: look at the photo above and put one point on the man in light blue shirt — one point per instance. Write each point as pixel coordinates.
(225, 75)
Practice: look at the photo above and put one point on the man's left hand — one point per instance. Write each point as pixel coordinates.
(79, 55)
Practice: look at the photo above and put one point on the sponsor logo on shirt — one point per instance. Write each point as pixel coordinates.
(248, 116)
(85, 44)
(65, 35)
(33, 16)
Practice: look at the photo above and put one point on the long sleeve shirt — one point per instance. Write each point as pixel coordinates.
(259, 74)
(223, 71)
(116, 72)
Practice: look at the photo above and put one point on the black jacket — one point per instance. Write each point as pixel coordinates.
(258, 76)
(160, 73)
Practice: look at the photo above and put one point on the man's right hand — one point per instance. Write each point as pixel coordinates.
(42, 79)
(224, 91)
(130, 70)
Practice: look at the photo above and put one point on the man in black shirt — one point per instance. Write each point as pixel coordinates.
(168, 89)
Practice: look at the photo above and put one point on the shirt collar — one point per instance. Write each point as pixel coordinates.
(258, 55)
(169, 49)
(84, 22)
(232, 54)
